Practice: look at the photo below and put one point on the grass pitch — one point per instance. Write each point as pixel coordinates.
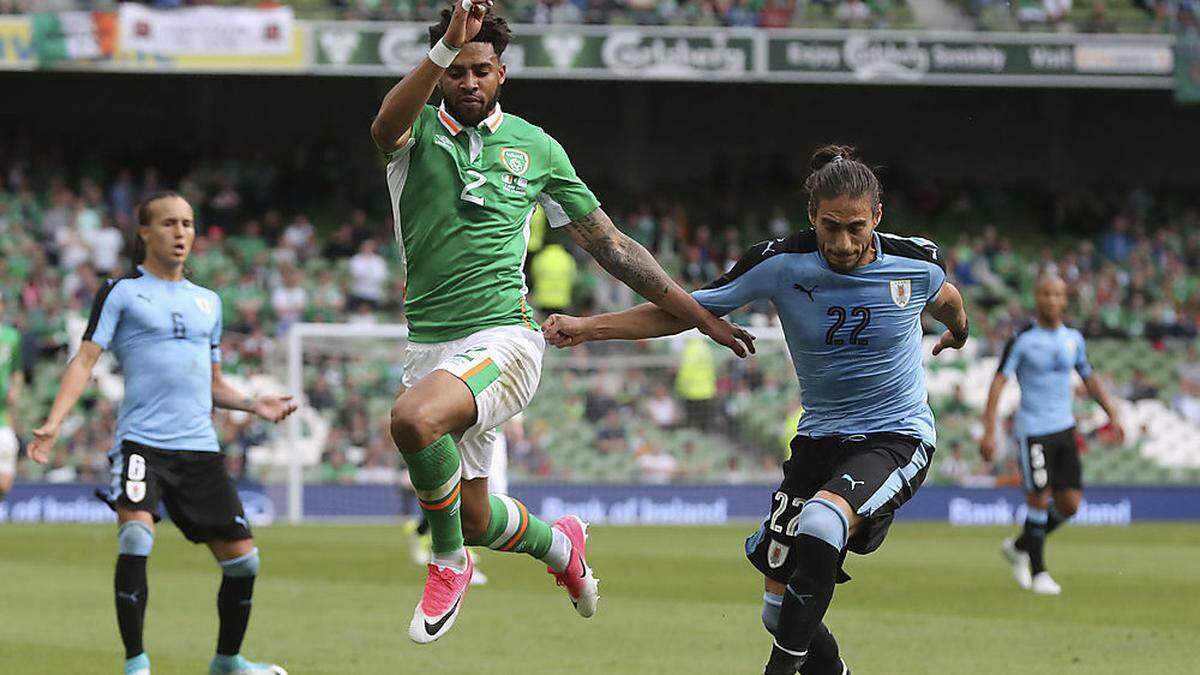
(336, 600)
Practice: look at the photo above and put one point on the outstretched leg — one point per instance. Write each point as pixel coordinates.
(504, 524)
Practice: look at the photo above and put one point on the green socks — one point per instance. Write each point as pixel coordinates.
(435, 472)
(513, 529)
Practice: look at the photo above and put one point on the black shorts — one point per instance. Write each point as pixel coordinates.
(199, 495)
(1050, 461)
(874, 473)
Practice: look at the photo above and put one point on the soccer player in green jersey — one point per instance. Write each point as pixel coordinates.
(465, 179)
(11, 378)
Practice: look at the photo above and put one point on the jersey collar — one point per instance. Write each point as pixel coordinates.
(491, 123)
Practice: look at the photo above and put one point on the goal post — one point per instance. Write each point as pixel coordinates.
(295, 378)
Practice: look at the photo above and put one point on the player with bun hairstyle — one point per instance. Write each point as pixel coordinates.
(850, 300)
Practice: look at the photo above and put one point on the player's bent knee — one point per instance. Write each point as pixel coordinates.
(823, 520)
(413, 428)
(772, 605)
(241, 566)
(135, 538)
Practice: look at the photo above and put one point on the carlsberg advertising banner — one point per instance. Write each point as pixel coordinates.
(540, 52)
(884, 57)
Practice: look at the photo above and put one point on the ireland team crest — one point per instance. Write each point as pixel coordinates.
(516, 161)
(901, 292)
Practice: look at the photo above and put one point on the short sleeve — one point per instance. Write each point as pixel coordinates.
(218, 327)
(1010, 358)
(419, 128)
(565, 198)
(106, 314)
(1082, 366)
(937, 278)
(752, 278)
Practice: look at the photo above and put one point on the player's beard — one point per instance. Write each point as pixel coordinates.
(472, 119)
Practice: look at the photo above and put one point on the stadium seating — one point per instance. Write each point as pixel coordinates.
(1132, 293)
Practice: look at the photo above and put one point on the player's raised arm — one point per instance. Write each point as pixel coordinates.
(74, 382)
(949, 310)
(403, 103)
(630, 262)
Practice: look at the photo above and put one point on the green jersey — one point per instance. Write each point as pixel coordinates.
(10, 362)
(462, 201)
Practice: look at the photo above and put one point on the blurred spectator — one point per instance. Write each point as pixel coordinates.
(105, 244)
(289, 300)
(661, 408)
(553, 278)
(696, 382)
(368, 272)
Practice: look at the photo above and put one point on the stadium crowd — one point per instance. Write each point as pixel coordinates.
(1088, 16)
(1133, 279)
(734, 13)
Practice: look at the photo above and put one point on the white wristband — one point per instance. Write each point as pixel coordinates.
(443, 54)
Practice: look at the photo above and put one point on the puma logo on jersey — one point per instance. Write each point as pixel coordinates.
(807, 291)
(771, 245)
(853, 483)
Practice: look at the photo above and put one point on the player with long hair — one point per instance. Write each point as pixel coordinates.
(166, 334)
(850, 300)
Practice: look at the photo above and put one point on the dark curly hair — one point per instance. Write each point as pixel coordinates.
(495, 30)
(836, 172)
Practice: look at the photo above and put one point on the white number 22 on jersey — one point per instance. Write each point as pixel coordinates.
(480, 179)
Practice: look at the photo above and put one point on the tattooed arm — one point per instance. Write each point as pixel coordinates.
(628, 261)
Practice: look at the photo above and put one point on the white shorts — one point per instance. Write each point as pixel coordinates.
(8, 451)
(498, 476)
(501, 366)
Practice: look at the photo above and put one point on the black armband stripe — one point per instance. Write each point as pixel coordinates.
(99, 300)
(800, 242)
(917, 248)
(1008, 347)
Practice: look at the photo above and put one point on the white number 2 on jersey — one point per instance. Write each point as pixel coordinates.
(480, 179)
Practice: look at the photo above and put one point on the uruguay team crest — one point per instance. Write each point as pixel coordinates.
(901, 292)
(204, 305)
(776, 554)
(135, 490)
(516, 161)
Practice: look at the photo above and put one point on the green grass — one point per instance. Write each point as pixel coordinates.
(337, 600)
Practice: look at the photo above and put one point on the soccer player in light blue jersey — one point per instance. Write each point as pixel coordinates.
(1041, 356)
(166, 334)
(850, 301)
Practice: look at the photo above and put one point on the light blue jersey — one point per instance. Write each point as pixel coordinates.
(166, 336)
(855, 337)
(1042, 360)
